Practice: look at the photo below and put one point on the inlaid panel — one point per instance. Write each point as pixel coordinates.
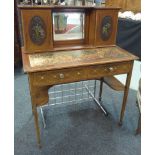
(37, 30)
(106, 27)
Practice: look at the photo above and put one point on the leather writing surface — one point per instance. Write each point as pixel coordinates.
(65, 58)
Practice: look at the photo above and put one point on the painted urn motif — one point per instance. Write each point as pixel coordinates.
(37, 30)
(106, 28)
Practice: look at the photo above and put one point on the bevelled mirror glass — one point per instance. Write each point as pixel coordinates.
(68, 26)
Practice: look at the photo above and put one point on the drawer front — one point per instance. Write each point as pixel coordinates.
(78, 74)
(59, 76)
(108, 70)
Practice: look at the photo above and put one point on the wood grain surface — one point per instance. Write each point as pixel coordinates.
(74, 58)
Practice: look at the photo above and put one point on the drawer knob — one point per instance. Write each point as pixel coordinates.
(78, 73)
(111, 68)
(61, 76)
(42, 77)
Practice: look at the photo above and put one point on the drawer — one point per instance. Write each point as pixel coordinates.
(59, 76)
(108, 70)
(79, 74)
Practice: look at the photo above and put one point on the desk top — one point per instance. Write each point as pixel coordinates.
(74, 58)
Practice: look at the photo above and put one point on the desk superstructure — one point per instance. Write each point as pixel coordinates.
(49, 62)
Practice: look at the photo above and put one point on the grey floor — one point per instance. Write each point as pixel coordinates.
(78, 129)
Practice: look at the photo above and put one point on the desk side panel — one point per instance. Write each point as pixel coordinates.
(39, 94)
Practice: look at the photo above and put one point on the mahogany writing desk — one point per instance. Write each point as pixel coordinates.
(51, 68)
(53, 55)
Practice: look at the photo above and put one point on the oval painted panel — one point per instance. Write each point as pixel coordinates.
(106, 27)
(37, 30)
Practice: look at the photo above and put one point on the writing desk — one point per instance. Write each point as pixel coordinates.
(54, 55)
(51, 68)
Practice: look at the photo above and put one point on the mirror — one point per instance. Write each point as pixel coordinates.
(68, 26)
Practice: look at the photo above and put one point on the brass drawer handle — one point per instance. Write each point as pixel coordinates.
(78, 73)
(111, 69)
(42, 77)
(61, 76)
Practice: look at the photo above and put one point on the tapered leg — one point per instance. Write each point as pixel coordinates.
(139, 125)
(101, 88)
(94, 88)
(35, 113)
(126, 90)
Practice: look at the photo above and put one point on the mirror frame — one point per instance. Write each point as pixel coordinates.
(75, 42)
